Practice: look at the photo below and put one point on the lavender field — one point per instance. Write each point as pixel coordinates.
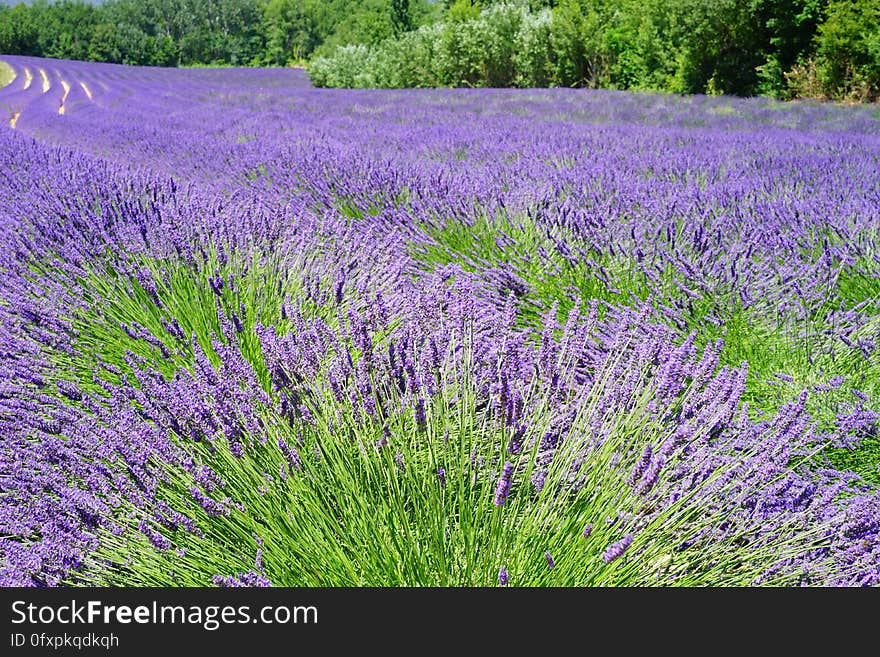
(256, 333)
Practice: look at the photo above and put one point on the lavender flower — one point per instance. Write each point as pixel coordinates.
(295, 289)
(616, 550)
(502, 488)
(249, 579)
(641, 465)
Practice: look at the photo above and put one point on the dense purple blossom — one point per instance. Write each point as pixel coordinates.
(369, 230)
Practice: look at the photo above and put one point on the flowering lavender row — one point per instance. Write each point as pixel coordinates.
(257, 333)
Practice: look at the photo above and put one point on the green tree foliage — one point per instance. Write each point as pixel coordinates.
(195, 31)
(18, 32)
(848, 50)
(366, 22)
(191, 32)
(790, 28)
(401, 16)
(61, 29)
(290, 28)
(742, 47)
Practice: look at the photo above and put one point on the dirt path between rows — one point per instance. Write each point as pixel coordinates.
(66, 88)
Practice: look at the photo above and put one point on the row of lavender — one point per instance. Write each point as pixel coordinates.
(218, 284)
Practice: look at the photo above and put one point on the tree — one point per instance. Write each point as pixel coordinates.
(290, 30)
(848, 48)
(18, 33)
(401, 16)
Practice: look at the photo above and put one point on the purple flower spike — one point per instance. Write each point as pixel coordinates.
(502, 489)
(616, 550)
(140, 258)
(249, 579)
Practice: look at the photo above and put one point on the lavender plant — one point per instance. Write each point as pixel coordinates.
(261, 334)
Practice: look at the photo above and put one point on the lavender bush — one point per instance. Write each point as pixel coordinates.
(261, 334)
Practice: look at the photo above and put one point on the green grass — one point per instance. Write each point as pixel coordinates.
(352, 515)
(864, 461)
(253, 291)
(771, 345)
(7, 74)
(366, 515)
(531, 252)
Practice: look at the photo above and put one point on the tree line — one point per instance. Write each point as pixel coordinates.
(202, 32)
(778, 48)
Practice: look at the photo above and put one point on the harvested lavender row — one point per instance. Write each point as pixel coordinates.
(261, 334)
